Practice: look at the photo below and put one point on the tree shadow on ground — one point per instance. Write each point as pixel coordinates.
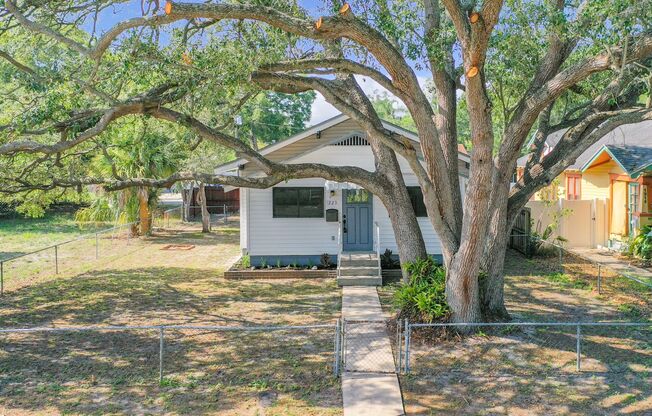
(117, 371)
(532, 370)
(510, 370)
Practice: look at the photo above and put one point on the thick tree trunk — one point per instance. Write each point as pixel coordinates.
(396, 199)
(463, 259)
(407, 233)
(462, 289)
(493, 282)
(143, 211)
(205, 215)
(186, 198)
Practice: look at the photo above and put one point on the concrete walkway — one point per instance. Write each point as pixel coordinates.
(610, 260)
(369, 382)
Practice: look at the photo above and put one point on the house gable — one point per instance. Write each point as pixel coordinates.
(632, 160)
(335, 129)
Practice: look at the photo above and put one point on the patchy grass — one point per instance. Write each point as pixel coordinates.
(22, 235)
(205, 372)
(567, 281)
(532, 370)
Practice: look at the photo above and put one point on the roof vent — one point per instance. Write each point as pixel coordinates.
(352, 140)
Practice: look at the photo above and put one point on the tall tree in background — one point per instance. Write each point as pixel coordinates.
(270, 116)
(526, 59)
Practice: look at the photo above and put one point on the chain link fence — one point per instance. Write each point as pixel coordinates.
(170, 218)
(279, 356)
(66, 256)
(586, 273)
(174, 217)
(533, 349)
(77, 254)
(367, 346)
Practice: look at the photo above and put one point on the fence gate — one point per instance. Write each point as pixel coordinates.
(519, 238)
(366, 347)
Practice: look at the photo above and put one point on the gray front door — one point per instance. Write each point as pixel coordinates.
(357, 215)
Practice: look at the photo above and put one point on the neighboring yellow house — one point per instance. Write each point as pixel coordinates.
(623, 174)
(616, 171)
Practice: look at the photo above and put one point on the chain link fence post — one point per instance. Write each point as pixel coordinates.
(2, 278)
(56, 259)
(97, 246)
(579, 337)
(343, 362)
(160, 355)
(399, 345)
(599, 279)
(338, 335)
(407, 347)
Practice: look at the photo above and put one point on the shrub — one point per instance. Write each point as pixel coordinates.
(387, 261)
(641, 245)
(423, 298)
(246, 261)
(325, 260)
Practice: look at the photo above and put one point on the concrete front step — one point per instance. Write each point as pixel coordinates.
(359, 271)
(358, 263)
(360, 281)
(359, 256)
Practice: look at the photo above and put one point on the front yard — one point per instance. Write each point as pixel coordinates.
(531, 370)
(507, 371)
(21, 235)
(205, 372)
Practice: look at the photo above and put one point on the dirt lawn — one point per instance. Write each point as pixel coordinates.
(116, 372)
(531, 370)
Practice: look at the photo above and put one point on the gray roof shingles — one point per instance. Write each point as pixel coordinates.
(635, 138)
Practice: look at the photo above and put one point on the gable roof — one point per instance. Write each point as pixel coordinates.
(310, 131)
(634, 160)
(636, 137)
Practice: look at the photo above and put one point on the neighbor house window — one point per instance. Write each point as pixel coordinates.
(298, 202)
(416, 197)
(573, 186)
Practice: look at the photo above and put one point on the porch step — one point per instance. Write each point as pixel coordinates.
(359, 260)
(358, 263)
(359, 281)
(359, 271)
(358, 255)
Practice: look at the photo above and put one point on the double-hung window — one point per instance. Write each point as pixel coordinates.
(573, 186)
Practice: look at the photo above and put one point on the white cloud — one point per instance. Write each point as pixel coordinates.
(321, 110)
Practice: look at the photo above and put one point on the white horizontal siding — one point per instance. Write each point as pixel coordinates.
(268, 236)
(387, 239)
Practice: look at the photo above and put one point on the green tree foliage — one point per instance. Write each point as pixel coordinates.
(389, 109)
(206, 69)
(271, 116)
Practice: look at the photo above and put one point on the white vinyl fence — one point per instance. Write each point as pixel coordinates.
(585, 223)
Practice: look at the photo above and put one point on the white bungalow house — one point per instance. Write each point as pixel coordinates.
(298, 220)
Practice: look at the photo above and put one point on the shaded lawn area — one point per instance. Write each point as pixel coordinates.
(205, 372)
(22, 235)
(531, 370)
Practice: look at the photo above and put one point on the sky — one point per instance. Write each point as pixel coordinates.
(321, 109)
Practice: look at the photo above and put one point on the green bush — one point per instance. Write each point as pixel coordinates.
(423, 298)
(641, 245)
